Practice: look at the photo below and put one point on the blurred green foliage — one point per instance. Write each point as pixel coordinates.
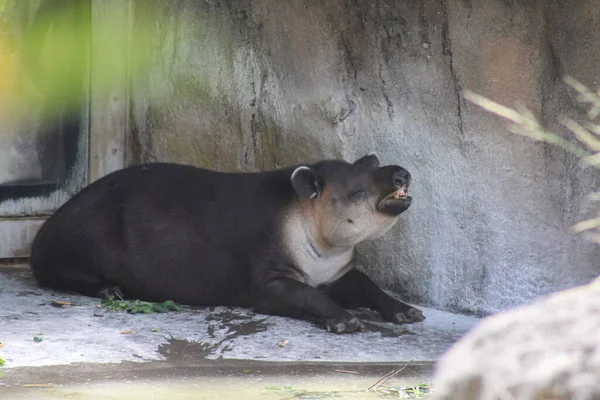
(53, 52)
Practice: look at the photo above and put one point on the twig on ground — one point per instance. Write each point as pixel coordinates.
(388, 376)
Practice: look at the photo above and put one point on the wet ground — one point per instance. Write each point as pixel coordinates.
(81, 351)
(218, 379)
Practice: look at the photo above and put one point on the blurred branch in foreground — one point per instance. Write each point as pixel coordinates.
(523, 122)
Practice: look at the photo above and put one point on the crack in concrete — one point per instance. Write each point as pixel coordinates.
(348, 57)
(447, 52)
(384, 46)
(177, 21)
(253, 124)
(390, 105)
(254, 132)
(468, 4)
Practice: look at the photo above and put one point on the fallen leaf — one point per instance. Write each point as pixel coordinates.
(284, 343)
(37, 339)
(155, 329)
(127, 332)
(59, 303)
(1, 345)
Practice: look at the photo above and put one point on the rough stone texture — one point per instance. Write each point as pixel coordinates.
(249, 85)
(547, 350)
(73, 334)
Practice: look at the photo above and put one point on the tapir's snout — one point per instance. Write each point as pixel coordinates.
(393, 181)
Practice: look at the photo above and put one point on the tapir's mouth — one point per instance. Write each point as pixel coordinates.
(399, 194)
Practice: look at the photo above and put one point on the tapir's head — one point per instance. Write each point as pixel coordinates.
(352, 202)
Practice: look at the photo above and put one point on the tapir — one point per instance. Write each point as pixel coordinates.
(280, 241)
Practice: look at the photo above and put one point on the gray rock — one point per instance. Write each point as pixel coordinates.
(547, 350)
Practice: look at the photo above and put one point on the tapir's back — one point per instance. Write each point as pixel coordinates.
(161, 231)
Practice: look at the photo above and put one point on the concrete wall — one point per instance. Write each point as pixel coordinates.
(248, 85)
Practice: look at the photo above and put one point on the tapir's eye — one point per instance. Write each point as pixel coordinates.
(356, 195)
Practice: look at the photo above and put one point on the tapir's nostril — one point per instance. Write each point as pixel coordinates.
(400, 177)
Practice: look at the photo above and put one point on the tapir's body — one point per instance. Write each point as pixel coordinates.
(273, 240)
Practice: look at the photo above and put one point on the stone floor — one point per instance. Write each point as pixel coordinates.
(79, 337)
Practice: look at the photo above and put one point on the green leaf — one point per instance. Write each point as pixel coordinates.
(37, 339)
(272, 388)
(141, 307)
(141, 310)
(159, 308)
(155, 329)
(171, 305)
(2, 361)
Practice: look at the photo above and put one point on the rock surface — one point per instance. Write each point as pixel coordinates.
(547, 350)
(82, 333)
(249, 85)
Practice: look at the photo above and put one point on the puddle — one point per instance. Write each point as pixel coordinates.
(25, 293)
(239, 324)
(335, 383)
(185, 351)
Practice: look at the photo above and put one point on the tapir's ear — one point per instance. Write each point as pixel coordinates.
(306, 183)
(370, 161)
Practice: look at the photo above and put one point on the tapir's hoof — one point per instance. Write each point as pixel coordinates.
(110, 292)
(409, 316)
(347, 326)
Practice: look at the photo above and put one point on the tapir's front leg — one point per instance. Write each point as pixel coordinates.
(355, 289)
(288, 297)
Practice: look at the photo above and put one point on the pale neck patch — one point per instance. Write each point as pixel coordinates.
(319, 265)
